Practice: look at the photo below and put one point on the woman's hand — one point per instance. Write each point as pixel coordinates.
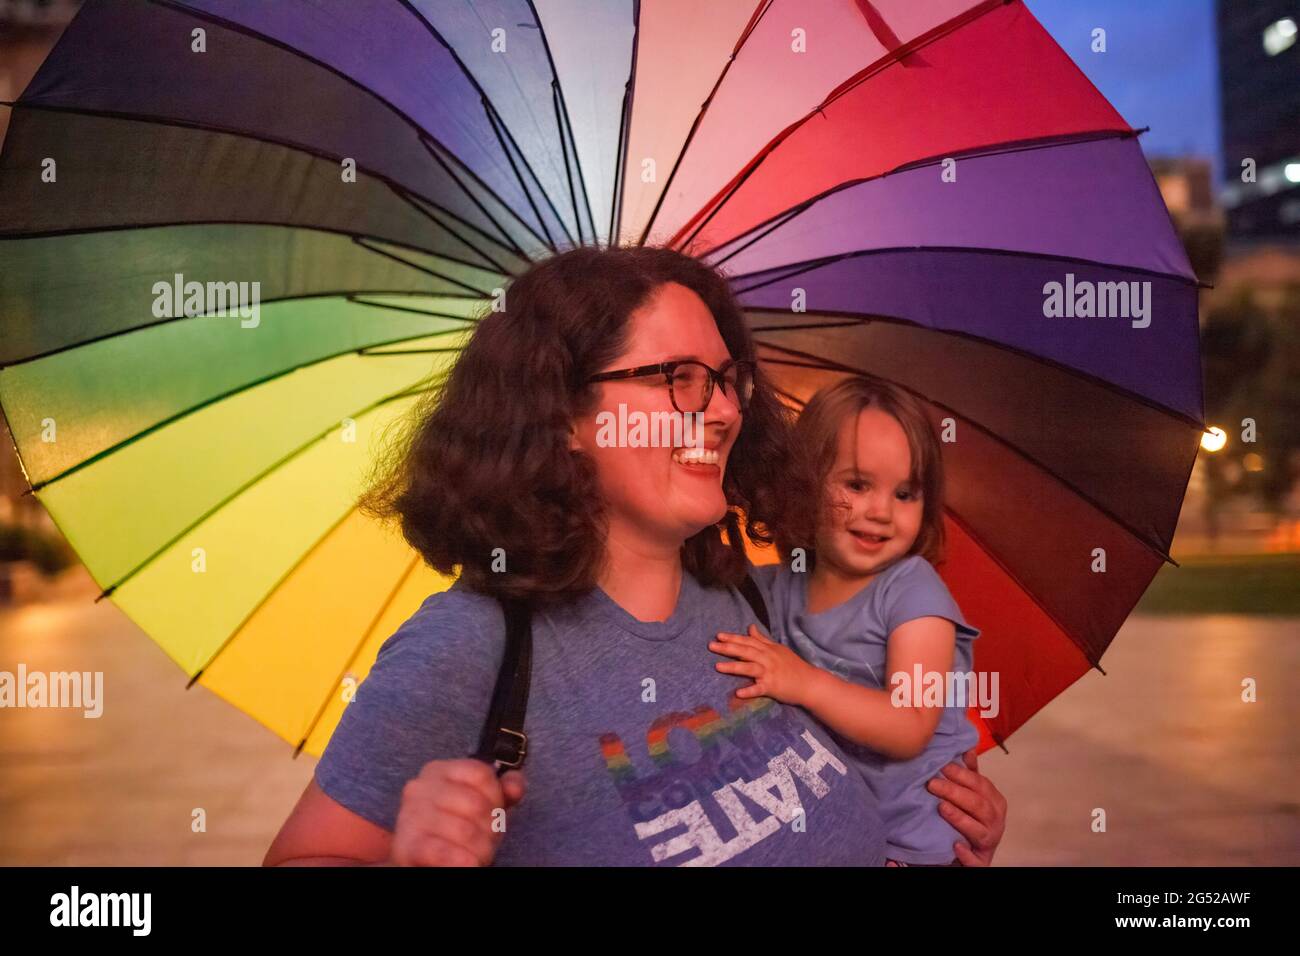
(454, 814)
(778, 672)
(975, 808)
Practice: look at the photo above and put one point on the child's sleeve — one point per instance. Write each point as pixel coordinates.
(916, 590)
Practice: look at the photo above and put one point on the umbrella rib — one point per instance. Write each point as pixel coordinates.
(370, 353)
(230, 393)
(356, 237)
(401, 191)
(18, 456)
(629, 95)
(326, 294)
(541, 136)
(830, 365)
(800, 327)
(1015, 579)
(365, 637)
(495, 119)
(410, 198)
(997, 738)
(976, 152)
(1014, 350)
(294, 453)
(566, 132)
(798, 268)
(891, 57)
(359, 299)
(505, 149)
(365, 243)
(561, 120)
(759, 11)
(261, 602)
(431, 147)
(271, 41)
(774, 223)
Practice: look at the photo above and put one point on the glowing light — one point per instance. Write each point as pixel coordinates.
(1252, 462)
(1214, 439)
(1279, 36)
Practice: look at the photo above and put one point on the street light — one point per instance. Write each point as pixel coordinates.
(1279, 36)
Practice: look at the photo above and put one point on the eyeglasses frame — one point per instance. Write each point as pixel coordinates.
(668, 368)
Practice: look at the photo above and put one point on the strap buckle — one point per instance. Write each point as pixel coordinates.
(519, 749)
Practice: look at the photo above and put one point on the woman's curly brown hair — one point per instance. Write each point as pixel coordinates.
(485, 462)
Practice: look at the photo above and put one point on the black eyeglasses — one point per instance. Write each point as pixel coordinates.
(690, 383)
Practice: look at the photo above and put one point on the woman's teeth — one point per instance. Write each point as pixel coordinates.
(695, 456)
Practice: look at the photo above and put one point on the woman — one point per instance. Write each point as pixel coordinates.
(638, 751)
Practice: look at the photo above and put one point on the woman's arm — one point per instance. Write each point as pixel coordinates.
(322, 832)
(446, 818)
(865, 715)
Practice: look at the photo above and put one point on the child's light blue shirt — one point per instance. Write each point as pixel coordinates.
(851, 641)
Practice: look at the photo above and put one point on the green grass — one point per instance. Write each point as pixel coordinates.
(1227, 584)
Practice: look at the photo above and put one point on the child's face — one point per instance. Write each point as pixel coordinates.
(875, 512)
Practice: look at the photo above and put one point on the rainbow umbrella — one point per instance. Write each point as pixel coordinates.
(928, 192)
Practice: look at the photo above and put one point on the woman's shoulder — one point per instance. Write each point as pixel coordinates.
(456, 628)
(768, 577)
(441, 660)
(764, 574)
(424, 698)
(459, 603)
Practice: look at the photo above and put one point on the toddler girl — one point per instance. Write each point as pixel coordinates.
(859, 610)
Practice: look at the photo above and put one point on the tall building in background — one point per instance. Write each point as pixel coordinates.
(1186, 185)
(1259, 72)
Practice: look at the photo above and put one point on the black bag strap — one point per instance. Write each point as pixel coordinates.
(503, 743)
(749, 588)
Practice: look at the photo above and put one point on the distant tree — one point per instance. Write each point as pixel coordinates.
(1252, 370)
(1278, 392)
(1204, 247)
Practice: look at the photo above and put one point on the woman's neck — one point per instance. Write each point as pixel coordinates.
(642, 578)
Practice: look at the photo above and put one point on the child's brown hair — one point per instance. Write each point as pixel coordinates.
(816, 441)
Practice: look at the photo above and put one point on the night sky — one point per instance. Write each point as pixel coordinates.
(1160, 68)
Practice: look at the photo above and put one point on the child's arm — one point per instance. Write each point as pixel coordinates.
(862, 714)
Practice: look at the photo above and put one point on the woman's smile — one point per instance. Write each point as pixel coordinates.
(702, 461)
(696, 458)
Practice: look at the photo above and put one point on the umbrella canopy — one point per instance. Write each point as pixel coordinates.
(932, 193)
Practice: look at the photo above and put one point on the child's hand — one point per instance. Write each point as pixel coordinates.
(778, 672)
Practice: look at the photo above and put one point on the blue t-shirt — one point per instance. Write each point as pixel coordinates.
(639, 753)
(851, 641)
